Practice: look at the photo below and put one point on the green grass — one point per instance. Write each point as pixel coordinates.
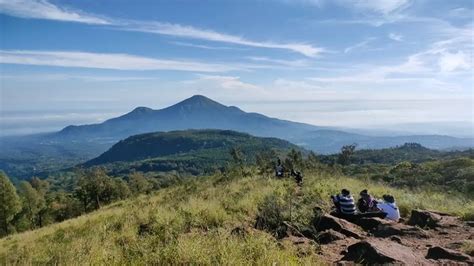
(192, 223)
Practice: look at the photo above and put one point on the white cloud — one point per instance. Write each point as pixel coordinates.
(209, 35)
(105, 61)
(287, 63)
(384, 7)
(454, 61)
(395, 37)
(86, 78)
(317, 3)
(42, 9)
(208, 47)
(359, 45)
(223, 82)
(461, 12)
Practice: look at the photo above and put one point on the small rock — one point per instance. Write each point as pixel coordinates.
(449, 254)
(144, 229)
(239, 231)
(396, 239)
(329, 236)
(424, 219)
(470, 223)
(443, 233)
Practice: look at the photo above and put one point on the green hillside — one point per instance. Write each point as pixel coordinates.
(191, 151)
(411, 165)
(196, 221)
(412, 152)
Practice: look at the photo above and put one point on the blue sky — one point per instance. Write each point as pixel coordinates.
(360, 63)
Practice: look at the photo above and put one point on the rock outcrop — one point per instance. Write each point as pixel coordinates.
(440, 253)
(326, 222)
(380, 251)
(424, 219)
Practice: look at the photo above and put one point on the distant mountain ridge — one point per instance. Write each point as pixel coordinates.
(200, 112)
(197, 112)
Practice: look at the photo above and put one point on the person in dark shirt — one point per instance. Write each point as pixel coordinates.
(279, 169)
(298, 177)
(366, 203)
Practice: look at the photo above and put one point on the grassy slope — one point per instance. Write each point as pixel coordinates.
(191, 222)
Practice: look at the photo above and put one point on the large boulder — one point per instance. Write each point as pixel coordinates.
(379, 251)
(440, 253)
(326, 222)
(423, 218)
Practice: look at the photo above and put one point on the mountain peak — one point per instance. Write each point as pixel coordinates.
(142, 109)
(198, 101)
(201, 99)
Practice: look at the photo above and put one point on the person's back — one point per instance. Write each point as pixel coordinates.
(345, 203)
(389, 206)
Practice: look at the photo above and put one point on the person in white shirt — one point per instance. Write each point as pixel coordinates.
(389, 206)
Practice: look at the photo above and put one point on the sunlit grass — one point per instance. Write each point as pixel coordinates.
(192, 223)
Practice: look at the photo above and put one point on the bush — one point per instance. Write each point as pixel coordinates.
(272, 212)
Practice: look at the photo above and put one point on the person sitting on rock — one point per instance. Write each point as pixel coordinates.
(344, 203)
(389, 206)
(367, 203)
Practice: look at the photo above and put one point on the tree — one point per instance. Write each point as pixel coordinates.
(347, 151)
(294, 159)
(63, 206)
(237, 158)
(265, 161)
(33, 203)
(312, 161)
(95, 187)
(138, 183)
(122, 189)
(10, 203)
(42, 186)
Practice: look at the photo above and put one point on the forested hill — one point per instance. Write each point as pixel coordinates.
(213, 145)
(412, 152)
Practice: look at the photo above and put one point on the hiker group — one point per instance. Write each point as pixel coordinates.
(344, 204)
(280, 173)
(367, 206)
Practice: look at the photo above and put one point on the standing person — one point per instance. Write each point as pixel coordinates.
(389, 206)
(298, 177)
(366, 203)
(279, 170)
(344, 203)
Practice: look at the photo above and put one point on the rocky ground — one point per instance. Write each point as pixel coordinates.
(427, 238)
